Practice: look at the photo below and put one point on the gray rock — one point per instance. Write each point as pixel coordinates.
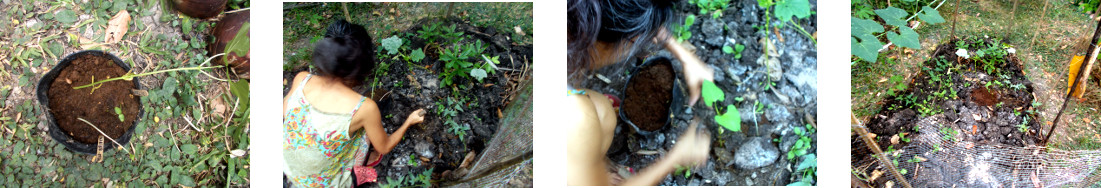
(424, 149)
(755, 153)
(694, 182)
(712, 30)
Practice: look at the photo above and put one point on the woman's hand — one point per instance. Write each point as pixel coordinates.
(692, 147)
(695, 71)
(415, 117)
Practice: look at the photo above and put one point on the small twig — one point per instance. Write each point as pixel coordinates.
(104, 134)
(188, 120)
(229, 119)
(238, 10)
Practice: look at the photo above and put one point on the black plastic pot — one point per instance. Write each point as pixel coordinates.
(55, 131)
(674, 105)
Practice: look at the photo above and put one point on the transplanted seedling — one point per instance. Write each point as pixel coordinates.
(119, 112)
(730, 118)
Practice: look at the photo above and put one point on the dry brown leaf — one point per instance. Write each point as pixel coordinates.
(875, 175)
(218, 107)
(117, 27)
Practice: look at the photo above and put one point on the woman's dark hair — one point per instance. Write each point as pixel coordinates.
(611, 21)
(346, 52)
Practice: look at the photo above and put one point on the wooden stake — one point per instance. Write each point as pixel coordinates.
(1037, 32)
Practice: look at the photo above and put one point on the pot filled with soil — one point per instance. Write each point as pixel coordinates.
(110, 106)
(650, 96)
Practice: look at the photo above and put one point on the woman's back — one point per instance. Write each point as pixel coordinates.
(321, 141)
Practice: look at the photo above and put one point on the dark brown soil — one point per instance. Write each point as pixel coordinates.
(983, 96)
(649, 95)
(97, 107)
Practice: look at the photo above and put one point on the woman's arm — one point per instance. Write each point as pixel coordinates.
(384, 143)
(695, 72)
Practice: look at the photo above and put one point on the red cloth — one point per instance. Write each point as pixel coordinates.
(364, 174)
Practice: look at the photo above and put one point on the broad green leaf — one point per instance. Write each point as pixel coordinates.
(169, 86)
(239, 45)
(189, 148)
(691, 19)
(930, 15)
(728, 50)
(868, 50)
(478, 74)
(788, 8)
(905, 38)
(67, 17)
(731, 119)
(862, 27)
(893, 16)
(417, 55)
(712, 93)
(810, 160)
(391, 44)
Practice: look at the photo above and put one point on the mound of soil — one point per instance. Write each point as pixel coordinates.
(988, 100)
(649, 95)
(98, 107)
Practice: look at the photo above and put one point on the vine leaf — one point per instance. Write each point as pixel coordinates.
(930, 15)
(893, 16)
(905, 38)
(867, 47)
(797, 8)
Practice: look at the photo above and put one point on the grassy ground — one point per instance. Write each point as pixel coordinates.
(1044, 42)
(192, 121)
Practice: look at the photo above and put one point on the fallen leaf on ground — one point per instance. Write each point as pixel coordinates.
(117, 27)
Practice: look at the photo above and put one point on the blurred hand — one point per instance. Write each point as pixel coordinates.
(695, 73)
(416, 117)
(692, 147)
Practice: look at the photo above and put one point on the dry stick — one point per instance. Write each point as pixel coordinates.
(225, 133)
(346, 16)
(1037, 32)
(104, 134)
(955, 17)
(862, 132)
(1091, 56)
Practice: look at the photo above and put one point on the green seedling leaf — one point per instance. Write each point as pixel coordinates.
(786, 9)
(728, 49)
(712, 93)
(688, 21)
(905, 38)
(417, 55)
(893, 16)
(930, 15)
(119, 112)
(67, 17)
(391, 44)
(731, 119)
(738, 51)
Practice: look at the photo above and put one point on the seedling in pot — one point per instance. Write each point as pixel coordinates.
(119, 112)
(130, 75)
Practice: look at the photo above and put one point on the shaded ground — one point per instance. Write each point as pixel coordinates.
(775, 112)
(1044, 42)
(172, 146)
(434, 149)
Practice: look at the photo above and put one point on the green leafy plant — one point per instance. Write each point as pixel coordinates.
(119, 112)
(736, 50)
(715, 7)
(865, 44)
(897, 85)
(417, 55)
(430, 32)
(728, 118)
(682, 32)
(948, 133)
(488, 66)
(803, 144)
(1023, 127)
(809, 168)
(457, 61)
(391, 44)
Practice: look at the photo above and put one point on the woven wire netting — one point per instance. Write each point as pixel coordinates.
(936, 157)
(507, 159)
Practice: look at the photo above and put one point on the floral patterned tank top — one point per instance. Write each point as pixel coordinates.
(318, 150)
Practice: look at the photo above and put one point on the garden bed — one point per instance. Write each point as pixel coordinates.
(774, 91)
(982, 98)
(467, 105)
